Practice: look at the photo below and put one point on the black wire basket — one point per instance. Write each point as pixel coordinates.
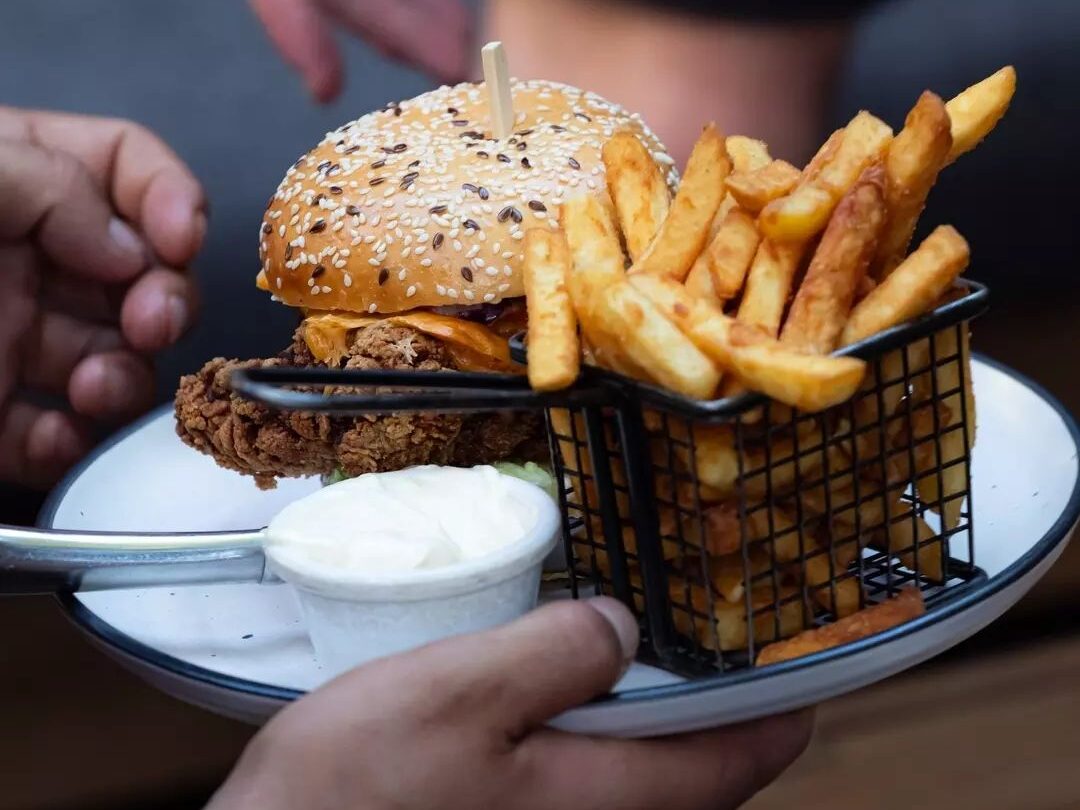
(731, 523)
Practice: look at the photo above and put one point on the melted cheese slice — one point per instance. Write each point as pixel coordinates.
(472, 347)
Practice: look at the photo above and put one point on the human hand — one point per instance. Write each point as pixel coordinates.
(96, 214)
(431, 35)
(461, 723)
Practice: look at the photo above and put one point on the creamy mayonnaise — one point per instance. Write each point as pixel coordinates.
(408, 520)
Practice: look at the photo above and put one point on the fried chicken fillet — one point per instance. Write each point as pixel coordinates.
(252, 439)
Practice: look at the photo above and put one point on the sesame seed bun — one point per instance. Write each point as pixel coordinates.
(418, 205)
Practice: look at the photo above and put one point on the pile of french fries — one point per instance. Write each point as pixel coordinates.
(749, 278)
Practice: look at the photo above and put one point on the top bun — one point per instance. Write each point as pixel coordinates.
(419, 205)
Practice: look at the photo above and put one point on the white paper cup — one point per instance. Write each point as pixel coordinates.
(353, 618)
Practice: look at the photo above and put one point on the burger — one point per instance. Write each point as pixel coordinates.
(398, 239)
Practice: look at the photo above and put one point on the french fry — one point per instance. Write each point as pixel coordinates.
(714, 459)
(838, 594)
(768, 284)
(912, 287)
(910, 537)
(821, 306)
(596, 264)
(912, 163)
(682, 235)
(656, 344)
(554, 350)
(726, 259)
(699, 281)
(637, 188)
(976, 110)
(870, 406)
(596, 258)
(905, 606)
(952, 443)
(804, 212)
(755, 189)
(747, 154)
(728, 573)
(727, 629)
(807, 382)
(824, 154)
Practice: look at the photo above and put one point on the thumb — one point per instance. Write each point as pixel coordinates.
(522, 674)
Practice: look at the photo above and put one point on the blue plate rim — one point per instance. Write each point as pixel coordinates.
(108, 635)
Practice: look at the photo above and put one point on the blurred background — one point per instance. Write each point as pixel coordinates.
(992, 724)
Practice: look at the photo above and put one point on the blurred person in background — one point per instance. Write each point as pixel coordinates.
(761, 68)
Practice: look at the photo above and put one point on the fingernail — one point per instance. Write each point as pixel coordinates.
(622, 622)
(125, 239)
(176, 313)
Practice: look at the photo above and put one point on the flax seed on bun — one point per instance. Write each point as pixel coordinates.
(417, 205)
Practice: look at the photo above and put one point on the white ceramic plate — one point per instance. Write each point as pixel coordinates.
(241, 650)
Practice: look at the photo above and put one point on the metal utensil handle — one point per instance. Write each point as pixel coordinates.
(33, 561)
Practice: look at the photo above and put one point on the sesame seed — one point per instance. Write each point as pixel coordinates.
(489, 297)
(281, 231)
(440, 289)
(504, 158)
(437, 209)
(504, 287)
(471, 223)
(574, 164)
(401, 274)
(436, 241)
(457, 245)
(469, 295)
(450, 291)
(325, 289)
(278, 281)
(472, 251)
(409, 293)
(347, 280)
(371, 307)
(466, 273)
(425, 262)
(375, 181)
(491, 271)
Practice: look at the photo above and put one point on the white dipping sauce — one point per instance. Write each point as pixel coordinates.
(396, 522)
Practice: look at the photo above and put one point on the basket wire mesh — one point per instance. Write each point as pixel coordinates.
(729, 524)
